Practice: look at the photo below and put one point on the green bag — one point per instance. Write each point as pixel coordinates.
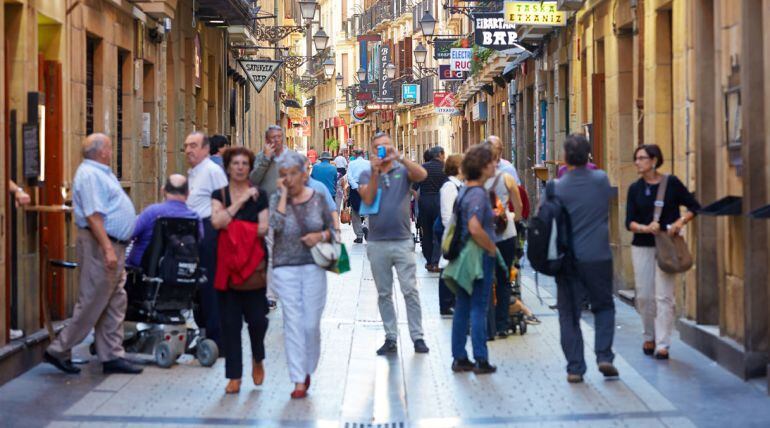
(343, 263)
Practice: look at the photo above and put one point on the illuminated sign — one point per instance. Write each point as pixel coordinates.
(535, 13)
(460, 59)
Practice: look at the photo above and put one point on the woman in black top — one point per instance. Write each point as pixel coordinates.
(655, 288)
(240, 212)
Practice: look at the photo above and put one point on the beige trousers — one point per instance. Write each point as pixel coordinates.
(654, 296)
(101, 303)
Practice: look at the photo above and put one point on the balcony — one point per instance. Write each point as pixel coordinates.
(377, 14)
(232, 12)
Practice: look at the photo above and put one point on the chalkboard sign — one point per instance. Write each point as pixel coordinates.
(31, 147)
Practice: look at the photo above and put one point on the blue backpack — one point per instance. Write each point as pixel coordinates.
(549, 236)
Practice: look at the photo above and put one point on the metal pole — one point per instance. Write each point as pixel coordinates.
(277, 94)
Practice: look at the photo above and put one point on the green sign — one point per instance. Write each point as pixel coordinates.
(441, 48)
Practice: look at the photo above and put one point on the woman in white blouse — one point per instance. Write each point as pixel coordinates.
(448, 194)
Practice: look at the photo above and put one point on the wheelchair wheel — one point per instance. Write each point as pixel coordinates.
(523, 327)
(164, 356)
(207, 352)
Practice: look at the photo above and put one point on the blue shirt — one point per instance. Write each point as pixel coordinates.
(326, 173)
(145, 224)
(355, 169)
(97, 190)
(321, 188)
(217, 160)
(475, 203)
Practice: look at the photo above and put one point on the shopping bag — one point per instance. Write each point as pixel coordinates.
(343, 262)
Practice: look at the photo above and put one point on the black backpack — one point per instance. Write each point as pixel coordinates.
(179, 264)
(549, 236)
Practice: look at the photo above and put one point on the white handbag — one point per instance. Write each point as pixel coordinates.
(325, 254)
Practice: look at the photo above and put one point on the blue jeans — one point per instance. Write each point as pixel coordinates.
(446, 299)
(473, 306)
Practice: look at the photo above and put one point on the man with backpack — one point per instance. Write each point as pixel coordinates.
(576, 209)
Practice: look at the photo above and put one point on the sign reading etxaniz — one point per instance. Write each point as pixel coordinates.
(493, 32)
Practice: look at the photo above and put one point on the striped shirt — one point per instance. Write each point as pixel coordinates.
(97, 190)
(436, 178)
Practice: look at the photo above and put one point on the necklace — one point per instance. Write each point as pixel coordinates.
(648, 189)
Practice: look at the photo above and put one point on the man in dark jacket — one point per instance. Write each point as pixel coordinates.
(429, 205)
(586, 194)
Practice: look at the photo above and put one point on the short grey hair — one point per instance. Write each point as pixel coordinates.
(273, 128)
(93, 145)
(290, 159)
(378, 135)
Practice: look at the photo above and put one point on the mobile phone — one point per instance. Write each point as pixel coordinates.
(381, 152)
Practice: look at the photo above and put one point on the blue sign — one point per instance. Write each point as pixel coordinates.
(410, 93)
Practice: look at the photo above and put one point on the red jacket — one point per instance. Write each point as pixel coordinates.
(240, 250)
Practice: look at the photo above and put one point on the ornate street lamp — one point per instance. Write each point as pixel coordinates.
(320, 40)
(420, 54)
(339, 80)
(427, 24)
(328, 68)
(361, 74)
(390, 71)
(307, 9)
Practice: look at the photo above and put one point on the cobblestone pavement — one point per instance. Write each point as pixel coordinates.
(354, 388)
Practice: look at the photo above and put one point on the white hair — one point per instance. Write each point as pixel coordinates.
(290, 159)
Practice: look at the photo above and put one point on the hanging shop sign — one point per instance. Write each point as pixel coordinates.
(543, 129)
(493, 32)
(358, 113)
(305, 128)
(442, 48)
(460, 59)
(446, 73)
(410, 93)
(535, 13)
(387, 94)
(259, 71)
(444, 103)
(198, 60)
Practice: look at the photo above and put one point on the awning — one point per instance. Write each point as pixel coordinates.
(291, 103)
(310, 102)
(511, 66)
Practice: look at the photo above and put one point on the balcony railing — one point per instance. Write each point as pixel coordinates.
(376, 14)
(234, 12)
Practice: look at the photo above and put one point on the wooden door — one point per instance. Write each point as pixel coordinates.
(597, 137)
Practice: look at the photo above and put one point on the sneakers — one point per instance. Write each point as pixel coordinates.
(272, 304)
(483, 367)
(420, 347)
(608, 369)
(64, 365)
(574, 378)
(389, 347)
(463, 365)
(531, 320)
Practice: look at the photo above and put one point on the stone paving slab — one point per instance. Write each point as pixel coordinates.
(354, 388)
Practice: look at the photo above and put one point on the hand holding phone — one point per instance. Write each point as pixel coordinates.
(381, 152)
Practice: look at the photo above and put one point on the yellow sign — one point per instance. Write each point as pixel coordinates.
(535, 13)
(296, 114)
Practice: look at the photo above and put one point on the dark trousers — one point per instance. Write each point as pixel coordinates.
(208, 312)
(236, 306)
(502, 287)
(430, 209)
(446, 299)
(592, 280)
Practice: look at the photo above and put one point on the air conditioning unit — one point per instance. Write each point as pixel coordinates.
(569, 4)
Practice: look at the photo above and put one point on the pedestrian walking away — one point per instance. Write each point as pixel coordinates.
(240, 213)
(300, 219)
(448, 196)
(585, 194)
(654, 287)
(341, 162)
(105, 219)
(429, 206)
(471, 273)
(204, 177)
(326, 173)
(387, 185)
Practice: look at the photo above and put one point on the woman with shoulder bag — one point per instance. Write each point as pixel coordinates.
(649, 220)
(240, 213)
(300, 220)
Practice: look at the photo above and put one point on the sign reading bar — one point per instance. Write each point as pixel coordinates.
(445, 73)
(441, 48)
(460, 59)
(493, 32)
(259, 70)
(444, 103)
(410, 93)
(535, 13)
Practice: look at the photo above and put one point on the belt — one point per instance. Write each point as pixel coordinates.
(112, 238)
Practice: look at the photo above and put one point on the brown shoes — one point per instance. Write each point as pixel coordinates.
(648, 347)
(574, 378)
(257, 372)
(233, 387)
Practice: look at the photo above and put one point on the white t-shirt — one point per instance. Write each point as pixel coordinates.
(204, 179)
(340, 162)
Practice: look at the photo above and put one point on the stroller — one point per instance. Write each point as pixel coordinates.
(516, 315)
(162, 291)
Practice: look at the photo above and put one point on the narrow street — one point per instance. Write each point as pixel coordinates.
(354, 388)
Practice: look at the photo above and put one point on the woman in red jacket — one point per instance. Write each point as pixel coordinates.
(240, 213)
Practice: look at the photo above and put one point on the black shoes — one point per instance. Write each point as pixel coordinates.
(120, 365)
(447, 312)
(64, 365)
(366, 233)
(608, 369)
(420, 347)
(483, 367)
(358, 241)
(389, 347)
(463, 365)
(502, 334)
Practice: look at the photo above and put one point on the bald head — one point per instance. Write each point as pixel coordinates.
(176, 188)
(97, 147)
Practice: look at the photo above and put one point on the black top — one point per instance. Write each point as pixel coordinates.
(250, 210)
(640, 206)
(436, 178)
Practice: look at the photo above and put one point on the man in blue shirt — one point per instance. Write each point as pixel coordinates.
(105, 218)
(326, 173)
(355, 168)
(175, 192)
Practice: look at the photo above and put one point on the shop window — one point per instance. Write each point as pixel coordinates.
(122, 57)
(90, 53)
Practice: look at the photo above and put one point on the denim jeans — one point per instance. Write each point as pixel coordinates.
(593, 279)
(446, 300)
(473, 306)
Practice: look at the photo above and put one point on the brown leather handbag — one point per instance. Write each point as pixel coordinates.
(672, 252)
(257, 280)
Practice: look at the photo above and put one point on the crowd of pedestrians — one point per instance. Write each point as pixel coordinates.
(261, 217)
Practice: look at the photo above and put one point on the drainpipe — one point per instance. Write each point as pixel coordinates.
(277, 95)
(163, 114)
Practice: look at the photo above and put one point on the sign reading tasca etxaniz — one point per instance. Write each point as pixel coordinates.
(259, 71)
(493, 32)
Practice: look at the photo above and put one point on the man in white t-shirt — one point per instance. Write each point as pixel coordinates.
(205, 177)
